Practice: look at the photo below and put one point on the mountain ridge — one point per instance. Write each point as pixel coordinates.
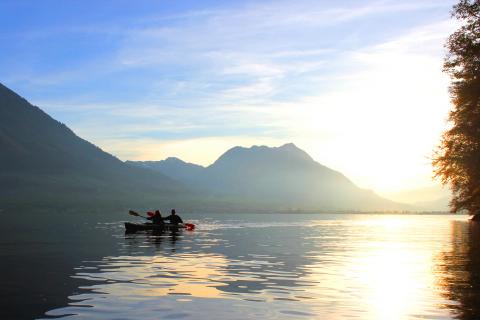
(283, 177)
(45, 162)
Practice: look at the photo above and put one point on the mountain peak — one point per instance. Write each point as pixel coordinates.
(258, 148)
(263, 154)
(39, 151)
(289, 145)
(5, 88)
(174, 160)
(291, 148)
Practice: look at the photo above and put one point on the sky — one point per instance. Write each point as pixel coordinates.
(356, 84)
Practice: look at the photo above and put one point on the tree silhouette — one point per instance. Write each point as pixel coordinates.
(457, 159)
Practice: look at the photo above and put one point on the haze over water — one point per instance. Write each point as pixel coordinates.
(284, 267)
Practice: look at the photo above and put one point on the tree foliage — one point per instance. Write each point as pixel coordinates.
(457, 159)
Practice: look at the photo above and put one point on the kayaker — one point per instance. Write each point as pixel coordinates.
(157, 218)
(173, 218)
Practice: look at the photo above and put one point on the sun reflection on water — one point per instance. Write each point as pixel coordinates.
(380, 275)
(182, 275)
(382, 267)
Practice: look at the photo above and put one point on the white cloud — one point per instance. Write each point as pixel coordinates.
(284, 70)
(380, 124)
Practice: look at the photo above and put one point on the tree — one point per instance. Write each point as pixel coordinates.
(457, 159)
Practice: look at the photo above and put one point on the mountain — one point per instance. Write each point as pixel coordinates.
(43, 162)
(283, 178)
(177, 169)
(433, 198)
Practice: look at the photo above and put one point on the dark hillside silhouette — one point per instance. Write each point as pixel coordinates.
(43, 162)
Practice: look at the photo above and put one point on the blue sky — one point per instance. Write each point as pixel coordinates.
(357, 84)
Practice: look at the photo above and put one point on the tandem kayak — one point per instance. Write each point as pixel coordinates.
(133, 227)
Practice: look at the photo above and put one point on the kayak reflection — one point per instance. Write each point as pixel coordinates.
(156, 239)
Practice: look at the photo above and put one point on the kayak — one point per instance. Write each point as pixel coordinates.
(132, 227)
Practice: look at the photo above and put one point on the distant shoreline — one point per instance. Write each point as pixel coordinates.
(338, 212)
(112, 210)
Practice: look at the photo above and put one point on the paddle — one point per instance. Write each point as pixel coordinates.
(188, 226)
(135, 214)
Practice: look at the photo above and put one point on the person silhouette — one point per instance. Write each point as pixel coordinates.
(173, 218)
(157, 218)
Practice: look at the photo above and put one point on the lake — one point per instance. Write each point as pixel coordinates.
(264, 266)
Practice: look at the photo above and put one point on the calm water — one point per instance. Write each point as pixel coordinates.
(278, 267)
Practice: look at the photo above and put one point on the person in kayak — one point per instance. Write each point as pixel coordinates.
(173, 218)
(157, 218)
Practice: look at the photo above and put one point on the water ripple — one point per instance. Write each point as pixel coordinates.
(371, 268)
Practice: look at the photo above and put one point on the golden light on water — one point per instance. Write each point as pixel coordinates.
(381, 275)
(180, 276)
(364, 267)
(394, 273)
(392, 286)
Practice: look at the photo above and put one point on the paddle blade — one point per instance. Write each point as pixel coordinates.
(133, 213)
(189, 226)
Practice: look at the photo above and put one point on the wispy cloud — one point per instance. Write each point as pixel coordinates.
(350, 80)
